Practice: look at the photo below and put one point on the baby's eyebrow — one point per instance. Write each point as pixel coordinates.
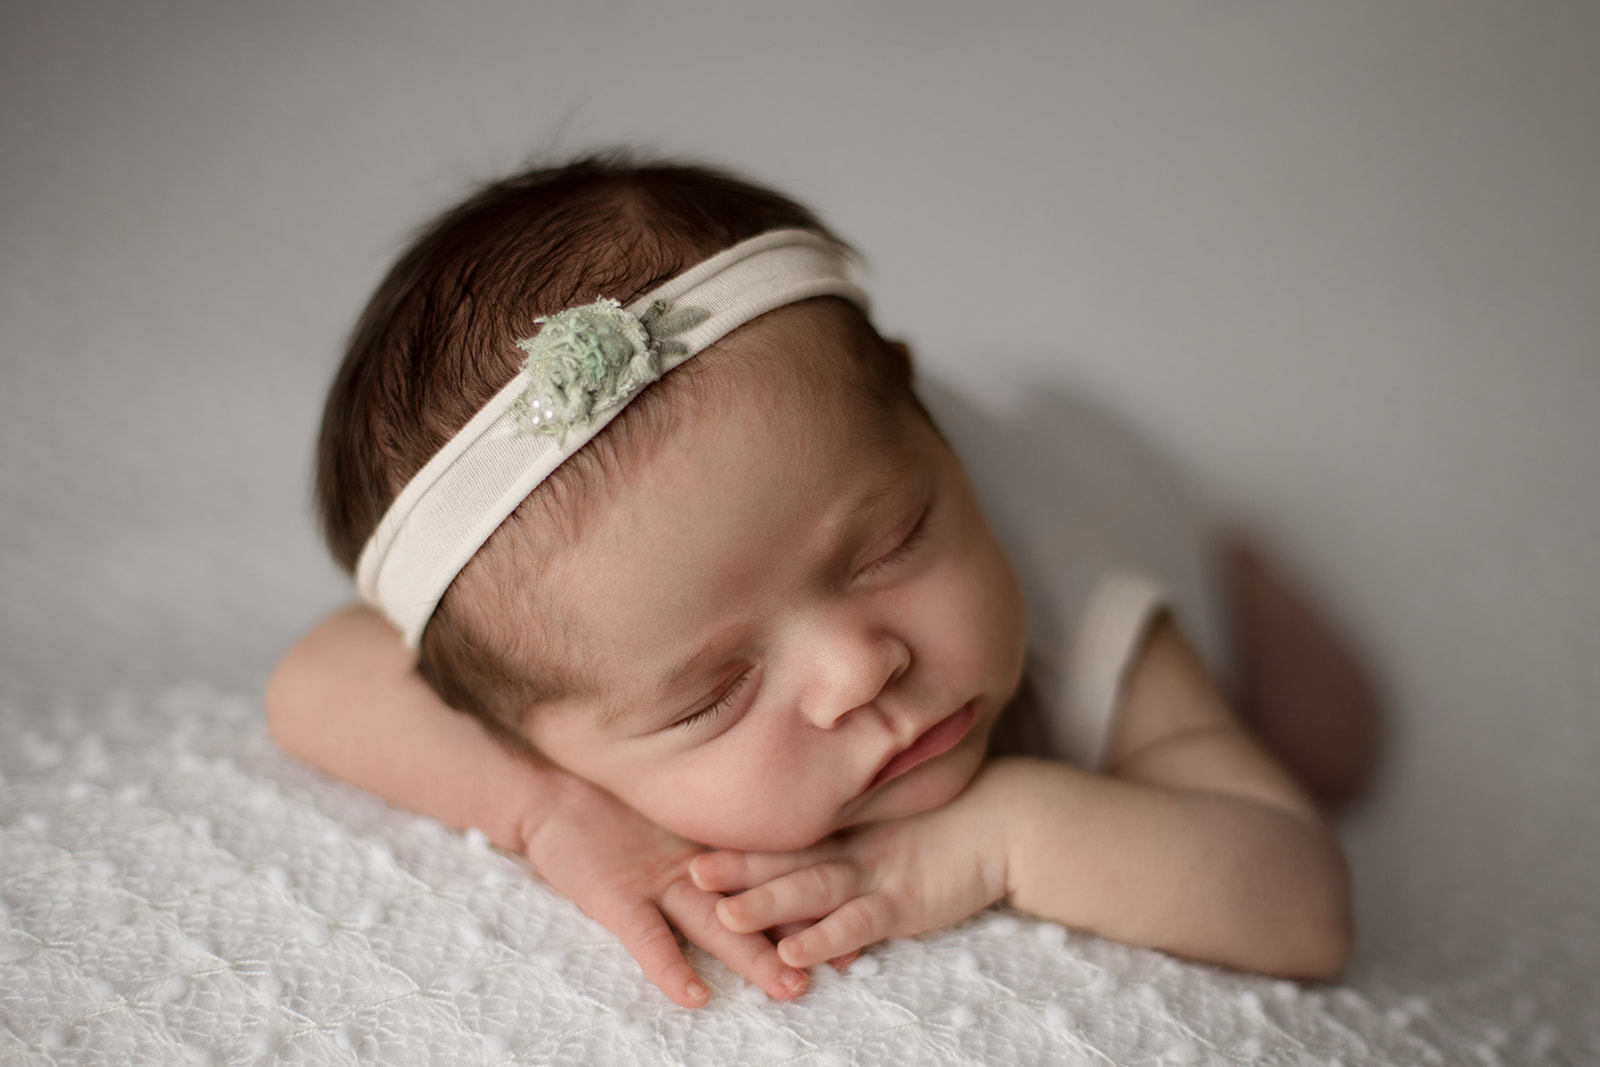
(882, 488)
(873, 498)
(695, 664)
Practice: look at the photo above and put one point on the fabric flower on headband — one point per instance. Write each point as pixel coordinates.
(587, 360)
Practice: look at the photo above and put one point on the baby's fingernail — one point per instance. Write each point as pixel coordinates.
(694, 873)
(789, 949)
(792, 980)
(697, 991)
(725, 912)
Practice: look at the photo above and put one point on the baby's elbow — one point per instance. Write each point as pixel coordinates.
(291, 698)
(280, 702)
(1324, 949)
(1320, 934)
(305, 686)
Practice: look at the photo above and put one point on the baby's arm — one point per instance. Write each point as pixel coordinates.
(347, 700)
(1209, 848)
(1194, 841)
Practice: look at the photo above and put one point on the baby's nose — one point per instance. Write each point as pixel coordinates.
(854, 669)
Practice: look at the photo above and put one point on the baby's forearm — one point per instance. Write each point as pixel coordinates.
(1210, 876)
(347, 700)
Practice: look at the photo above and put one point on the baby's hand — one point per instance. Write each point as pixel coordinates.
(632, 876)
(889, 879)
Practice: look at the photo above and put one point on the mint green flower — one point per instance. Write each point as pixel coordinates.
(590, 359)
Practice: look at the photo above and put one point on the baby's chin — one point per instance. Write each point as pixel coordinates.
(790, 838)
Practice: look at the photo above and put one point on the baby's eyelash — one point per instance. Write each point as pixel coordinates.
(918, 534)
(716, 707)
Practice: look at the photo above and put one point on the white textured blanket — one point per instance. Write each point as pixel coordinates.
(176, 890)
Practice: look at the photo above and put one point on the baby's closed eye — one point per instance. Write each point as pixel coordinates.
(720, 702)
(907, 544)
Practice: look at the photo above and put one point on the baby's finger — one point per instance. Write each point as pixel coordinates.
(853, 926)
(649, 940)
(750, 956)
(731, 871)
(783, 930)
(805, 894)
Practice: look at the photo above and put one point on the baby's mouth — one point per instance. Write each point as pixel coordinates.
(936, 740)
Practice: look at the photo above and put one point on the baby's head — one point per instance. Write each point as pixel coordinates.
(761, 603)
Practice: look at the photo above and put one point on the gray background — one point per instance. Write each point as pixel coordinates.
(1341, 260)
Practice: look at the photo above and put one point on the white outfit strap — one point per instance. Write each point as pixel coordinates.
(1109, 638)
(462, 495)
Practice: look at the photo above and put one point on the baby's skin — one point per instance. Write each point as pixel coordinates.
(797, 633)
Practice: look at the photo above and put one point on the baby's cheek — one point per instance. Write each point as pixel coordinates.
(978, 616)
(996, 605)
(716, 806)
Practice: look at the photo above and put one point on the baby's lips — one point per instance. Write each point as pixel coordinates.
(933, 742)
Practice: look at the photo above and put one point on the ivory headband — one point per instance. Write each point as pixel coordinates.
(583, 367)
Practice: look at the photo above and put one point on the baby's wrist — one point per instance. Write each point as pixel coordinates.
(1011, 795)
(556, 796)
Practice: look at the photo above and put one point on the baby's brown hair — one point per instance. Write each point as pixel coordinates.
(438, 339)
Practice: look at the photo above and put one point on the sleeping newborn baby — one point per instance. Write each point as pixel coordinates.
(673, 587)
